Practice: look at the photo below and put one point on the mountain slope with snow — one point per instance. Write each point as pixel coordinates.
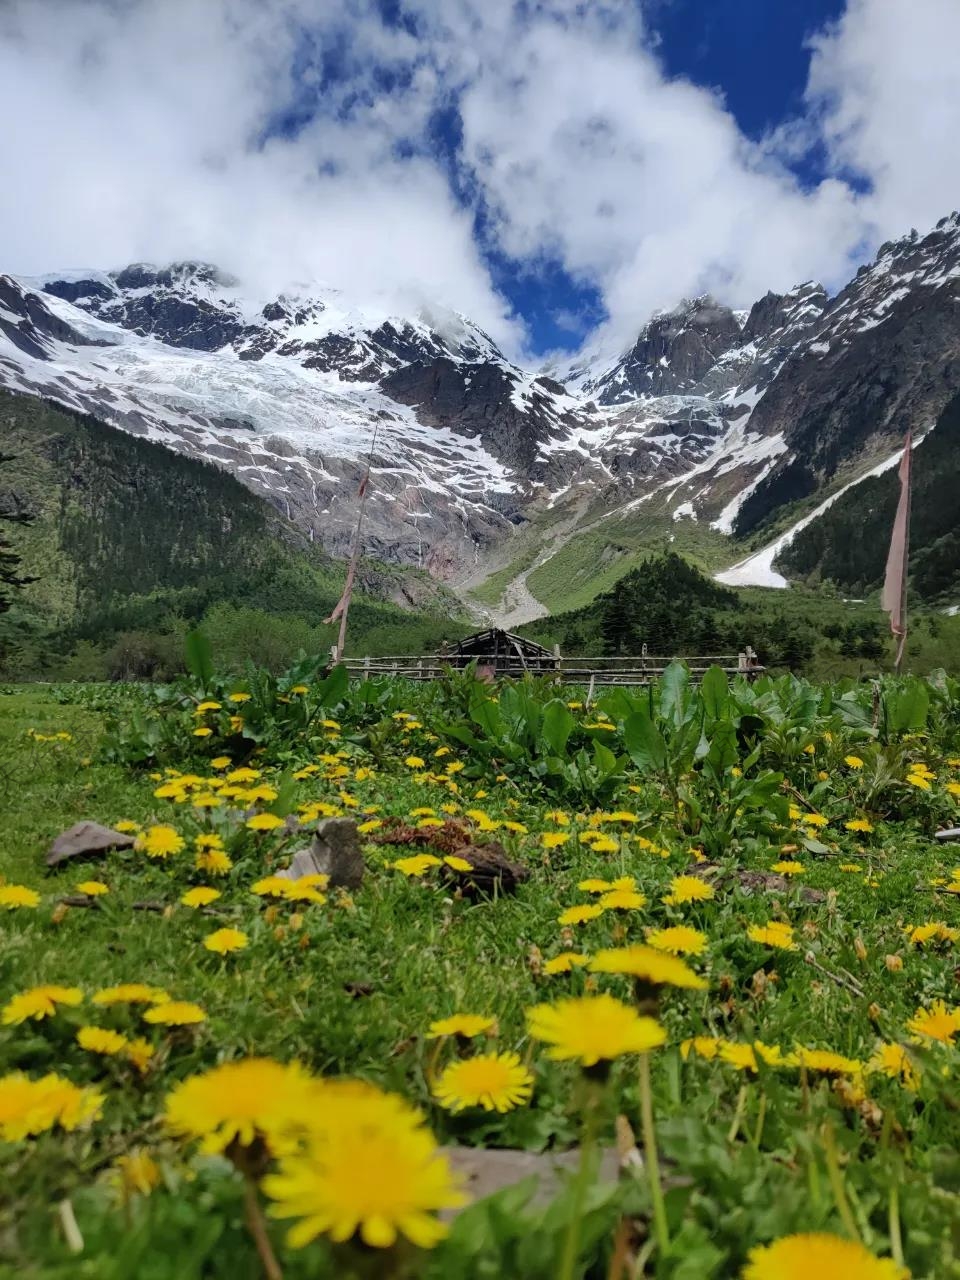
(713, 416)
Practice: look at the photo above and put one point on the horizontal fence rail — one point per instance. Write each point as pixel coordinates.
(627, 670)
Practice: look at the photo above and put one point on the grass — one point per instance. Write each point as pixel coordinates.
(755, 1148)
(593, 561)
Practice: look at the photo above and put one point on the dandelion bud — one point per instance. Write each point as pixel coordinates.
(894, 963)
(860, 948)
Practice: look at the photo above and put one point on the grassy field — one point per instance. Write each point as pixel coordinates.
(806, 1075)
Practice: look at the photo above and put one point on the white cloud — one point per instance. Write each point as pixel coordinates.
(884, 91)
(135, 131)
(137, 136)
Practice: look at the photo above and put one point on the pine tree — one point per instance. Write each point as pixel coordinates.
(10, 575)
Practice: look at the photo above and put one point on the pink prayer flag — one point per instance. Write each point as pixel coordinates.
(894, 596)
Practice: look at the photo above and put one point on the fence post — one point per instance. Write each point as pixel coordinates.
(419, 668)
(643, 660)
(590, 690)
(366, 667)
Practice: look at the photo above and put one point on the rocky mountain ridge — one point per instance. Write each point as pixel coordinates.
(720, 416)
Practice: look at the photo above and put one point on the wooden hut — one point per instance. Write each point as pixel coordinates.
(499, 653)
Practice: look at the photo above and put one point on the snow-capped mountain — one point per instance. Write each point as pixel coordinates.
(719, 415)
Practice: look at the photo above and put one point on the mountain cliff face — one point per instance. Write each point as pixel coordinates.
(721, 416)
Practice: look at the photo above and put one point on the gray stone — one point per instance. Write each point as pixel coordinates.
(87, 840)
(335, 852)
(485, 1172)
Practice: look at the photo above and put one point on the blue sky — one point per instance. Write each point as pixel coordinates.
(555, 169)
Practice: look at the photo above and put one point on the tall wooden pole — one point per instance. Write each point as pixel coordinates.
(342, 608)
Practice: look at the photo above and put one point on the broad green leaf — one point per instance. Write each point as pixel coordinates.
(723, 747)
(715, 692)
(199, 657)
(557, 726)
(674, 689)
(645, 743)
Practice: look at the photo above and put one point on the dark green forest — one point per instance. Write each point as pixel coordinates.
(848, 543)
(669, 605)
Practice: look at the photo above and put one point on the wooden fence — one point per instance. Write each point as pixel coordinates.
(632, 671)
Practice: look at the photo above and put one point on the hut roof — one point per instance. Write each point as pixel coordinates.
(494, 640)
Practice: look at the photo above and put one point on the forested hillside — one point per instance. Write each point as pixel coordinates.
(128, 544)
(848, 543)
(671, 607)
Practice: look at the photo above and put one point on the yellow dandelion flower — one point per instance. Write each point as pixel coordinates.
(130, 993)
(744, 1056)
(457, 864)
(329, 1188)
(707, 1047)
(828, 1062)
(558, 818)
(818, 1254)
(215, 862)
(126, 826)
(773, 934)
(220, 762)
(417, 865)
(579, 915)
(201, 896)
(101, 1040)
(934, 931)
(175, 1013)
(565, 963)
(920, 781)
(788, 868)
(859, 824)
(892, 1060)
(160, 841)
(29, 1107)
(815, 820)
(264, 822)
(850, 866)
(936, 1023)
(426, 823)
(37, 1003)
(463, 1024)
(648, 965)
(853, 762)
(595, 886)
(953, 788)
(493, 1081)
(684, 889)
(241, 1102)
(298, 891)
(623, 900)
(139, 1051)
(589, 1029)
(554, 839)
(93, 888)
(678, 940)
(414, 762)
(137, 1173)
(223, 941)
(14, 896)
(239, 697)
(371, 825)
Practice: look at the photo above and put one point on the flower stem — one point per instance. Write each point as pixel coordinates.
(738, 1114)
(893, 1214)
(836, 1184)
(258, 1230)
(650, 1157)
(571, 1244)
